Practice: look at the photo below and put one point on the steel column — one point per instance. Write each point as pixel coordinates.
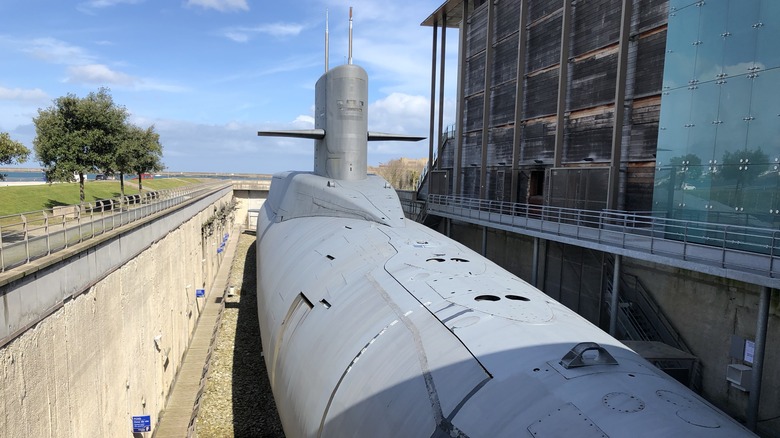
(441, 86)
(486, 98)
(519, 98)
(762, 321)
(620, 97)
(461, 105)
(433, 97)
(614, 302)
(563, 79)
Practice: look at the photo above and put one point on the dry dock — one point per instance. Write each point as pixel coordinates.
(235, 397)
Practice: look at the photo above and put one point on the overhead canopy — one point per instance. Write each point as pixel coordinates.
(452, 10)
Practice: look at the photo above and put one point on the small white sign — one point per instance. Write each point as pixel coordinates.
(750, 349)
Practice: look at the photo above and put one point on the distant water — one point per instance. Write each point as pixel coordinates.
(39, 176)
(25, 176)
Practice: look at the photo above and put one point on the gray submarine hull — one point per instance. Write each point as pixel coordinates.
(373, 325)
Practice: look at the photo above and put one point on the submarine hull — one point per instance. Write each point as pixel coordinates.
(373, 325)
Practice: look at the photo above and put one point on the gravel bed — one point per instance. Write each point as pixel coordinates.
(237, 400)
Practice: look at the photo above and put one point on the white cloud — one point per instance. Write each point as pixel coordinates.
(153, 85)
(34, 95)
(237, 36)
(55, 51)
(399, 113)
(107, 3)
(230, 147)
(277, 30)
(303, 122)
(220, 5)
(98, 74)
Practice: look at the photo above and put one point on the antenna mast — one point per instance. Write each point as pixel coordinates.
(326, 40)
(349, 61)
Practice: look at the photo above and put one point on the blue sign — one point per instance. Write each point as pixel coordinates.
(142, 423)
(200, 293)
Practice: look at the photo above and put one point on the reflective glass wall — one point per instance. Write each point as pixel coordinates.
(718, 157)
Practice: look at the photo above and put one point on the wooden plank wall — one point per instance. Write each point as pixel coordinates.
(589, 114)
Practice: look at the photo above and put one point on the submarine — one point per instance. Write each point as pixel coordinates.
(373, 325)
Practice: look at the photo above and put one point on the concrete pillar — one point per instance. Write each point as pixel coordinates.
(762, 321)
(484, 241)
(486, 98)
(613, 308)
(535, 264)
(519, 98)
(620, 97)
(563, 79)
(431, 138)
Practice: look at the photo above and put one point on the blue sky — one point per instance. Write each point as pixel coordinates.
(208, 74)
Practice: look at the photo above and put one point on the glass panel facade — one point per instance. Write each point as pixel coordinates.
(718, 157)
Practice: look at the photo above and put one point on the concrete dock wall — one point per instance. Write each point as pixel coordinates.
(247, 200)
(707, 311)
(98, 335)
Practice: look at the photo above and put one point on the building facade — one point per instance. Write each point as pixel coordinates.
(719, 132)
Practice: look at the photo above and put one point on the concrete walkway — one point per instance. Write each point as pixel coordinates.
(175, 419)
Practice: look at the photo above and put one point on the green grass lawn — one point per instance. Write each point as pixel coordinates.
(21, 199)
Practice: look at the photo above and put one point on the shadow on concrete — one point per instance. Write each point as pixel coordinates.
(254, 410)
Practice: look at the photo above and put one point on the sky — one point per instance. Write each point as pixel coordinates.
(208, 74)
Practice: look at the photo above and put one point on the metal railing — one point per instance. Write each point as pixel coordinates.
(412, 209)
(448, 134)
(740, 252)
(30, 235)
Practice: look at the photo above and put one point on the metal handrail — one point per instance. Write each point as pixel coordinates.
(691, 241)
(30, 235)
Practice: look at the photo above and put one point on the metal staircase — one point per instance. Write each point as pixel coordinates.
(444, 140)
(640, 318)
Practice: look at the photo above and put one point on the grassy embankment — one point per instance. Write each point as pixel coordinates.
(21, 199)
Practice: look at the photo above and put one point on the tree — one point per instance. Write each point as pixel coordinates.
(401, 173)
(743, 166)
(139, 152)
(688, 165)
(123, 160)
(76, 136)
(11, 151)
